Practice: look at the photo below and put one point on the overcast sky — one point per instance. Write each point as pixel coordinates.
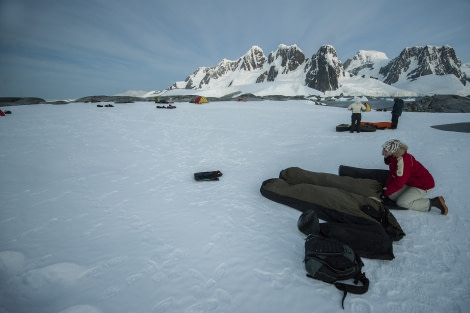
(66, 49)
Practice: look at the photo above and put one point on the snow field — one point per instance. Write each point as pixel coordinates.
(100, 212)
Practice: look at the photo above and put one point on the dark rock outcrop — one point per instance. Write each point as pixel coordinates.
(440, 104)
(323, 70)
(9, 101)
(115, 99)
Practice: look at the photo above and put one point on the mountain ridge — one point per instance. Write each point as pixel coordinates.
(324, 72)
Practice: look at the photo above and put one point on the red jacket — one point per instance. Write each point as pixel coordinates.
(406, 170)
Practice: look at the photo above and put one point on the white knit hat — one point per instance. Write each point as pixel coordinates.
(392, 145)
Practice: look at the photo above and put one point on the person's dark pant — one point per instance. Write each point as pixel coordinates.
(395, 121)
(355, 122)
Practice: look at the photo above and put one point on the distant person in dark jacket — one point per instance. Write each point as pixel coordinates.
(408, 180)
(396, 111)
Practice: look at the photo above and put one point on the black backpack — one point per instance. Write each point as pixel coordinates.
(331, 261)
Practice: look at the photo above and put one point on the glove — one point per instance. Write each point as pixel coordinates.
(387, 160)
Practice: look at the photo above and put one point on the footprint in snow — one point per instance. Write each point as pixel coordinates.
(163, 306)
(358, 305)
(11, 264)
(205, 306)
(134, 278)
(81, 309)
(220, 271)
(278, 280)
(110, 292)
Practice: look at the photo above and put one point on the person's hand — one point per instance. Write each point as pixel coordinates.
(387, 160)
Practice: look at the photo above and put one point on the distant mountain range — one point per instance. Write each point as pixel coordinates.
(325, 73)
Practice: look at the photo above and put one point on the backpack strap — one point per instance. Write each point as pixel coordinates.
(354, 289)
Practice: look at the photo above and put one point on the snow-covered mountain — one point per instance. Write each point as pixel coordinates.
(368, 62)
(409, 74)
(253, 67)
(416, 62)
(287, 63)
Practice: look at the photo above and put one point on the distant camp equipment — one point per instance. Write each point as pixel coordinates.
(200, 100)
(158, 100)
(363, 128)
(378, 125)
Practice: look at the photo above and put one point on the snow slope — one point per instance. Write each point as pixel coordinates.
(288, 88)
(349, 86)
(100, 212)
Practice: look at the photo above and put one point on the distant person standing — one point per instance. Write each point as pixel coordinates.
(356, 107)
(396, 111)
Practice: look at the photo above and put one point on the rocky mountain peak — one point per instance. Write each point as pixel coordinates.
(284, 60)
(290, 58)
(415, 62)
(253, 59)
(365, 59)
(324, 69)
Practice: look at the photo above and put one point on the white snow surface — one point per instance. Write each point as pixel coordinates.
(100, 211)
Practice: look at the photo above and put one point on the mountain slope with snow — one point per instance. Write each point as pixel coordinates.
(326, 74)
(368, 60)
(349, 86)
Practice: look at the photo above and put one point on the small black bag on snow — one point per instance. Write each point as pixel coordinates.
(331, 261)
(212, 175)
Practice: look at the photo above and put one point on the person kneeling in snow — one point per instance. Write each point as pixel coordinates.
(408, 181)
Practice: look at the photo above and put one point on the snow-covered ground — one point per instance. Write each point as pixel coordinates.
(100, 212)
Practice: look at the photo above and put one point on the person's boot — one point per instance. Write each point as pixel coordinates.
(439, 202)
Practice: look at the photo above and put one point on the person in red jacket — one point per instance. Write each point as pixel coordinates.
(408, 180)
